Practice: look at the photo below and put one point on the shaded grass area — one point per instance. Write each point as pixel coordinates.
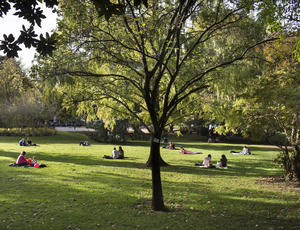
(81, 190)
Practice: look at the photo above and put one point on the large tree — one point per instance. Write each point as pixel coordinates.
(148, 63)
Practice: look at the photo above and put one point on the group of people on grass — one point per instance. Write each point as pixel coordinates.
(207, 162)
(84, 143)
(26, 142)
(27, 162)
(119, 154)
(116, 154)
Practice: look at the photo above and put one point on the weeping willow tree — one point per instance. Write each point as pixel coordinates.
(147, 64)
(266, 103)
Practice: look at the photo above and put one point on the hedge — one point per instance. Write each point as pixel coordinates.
(27, 132)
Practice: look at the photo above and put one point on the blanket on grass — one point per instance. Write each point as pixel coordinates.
(26, 166)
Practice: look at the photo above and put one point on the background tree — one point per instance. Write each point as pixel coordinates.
(21, 101)
(267, 105)
(13, 80)
(282, 16)
(148, 63)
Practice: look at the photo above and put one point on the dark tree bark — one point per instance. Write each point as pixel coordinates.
(157, 195)
(162, 163)
(296, 162)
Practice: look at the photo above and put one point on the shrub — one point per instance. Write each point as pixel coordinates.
(27, 132)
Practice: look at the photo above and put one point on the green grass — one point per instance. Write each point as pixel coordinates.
(81, 190)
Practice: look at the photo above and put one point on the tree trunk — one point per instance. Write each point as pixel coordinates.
(157, 195)
(161, 162)
(296, 162)
(150, 158)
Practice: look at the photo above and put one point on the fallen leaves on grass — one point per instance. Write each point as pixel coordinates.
(279, 182)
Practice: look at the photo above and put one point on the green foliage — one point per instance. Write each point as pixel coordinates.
(27, 110)
(134, 66)
(268, 104)
(282, 16)
(21, 100)
(116, 134)
(13, 81)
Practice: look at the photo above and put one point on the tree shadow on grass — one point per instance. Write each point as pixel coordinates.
(241, 208)
(248, 168)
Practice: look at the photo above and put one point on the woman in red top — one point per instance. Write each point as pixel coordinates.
(21, 159)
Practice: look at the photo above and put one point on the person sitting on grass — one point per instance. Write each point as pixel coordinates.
(121, 153)
(22, 142)
(21, 161)
(206, 162)
(171, 145)
(115, 154)
(223, 162)
(184, 151)
(246, 151)
(36, 164)
(29, 142)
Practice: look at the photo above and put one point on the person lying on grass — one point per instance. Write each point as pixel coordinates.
(245, 151)
(184, 151)
(84, 143)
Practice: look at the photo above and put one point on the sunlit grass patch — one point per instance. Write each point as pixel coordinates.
(80, 190)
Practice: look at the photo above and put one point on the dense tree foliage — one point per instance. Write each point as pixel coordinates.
(266, 103)
(13, 80)
(282, 16)
(21, 101)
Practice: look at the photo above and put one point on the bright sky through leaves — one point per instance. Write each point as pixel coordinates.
(13, 24)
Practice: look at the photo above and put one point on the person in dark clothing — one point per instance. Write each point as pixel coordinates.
(223, 161)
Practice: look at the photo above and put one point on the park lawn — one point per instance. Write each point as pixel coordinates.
(81, 190)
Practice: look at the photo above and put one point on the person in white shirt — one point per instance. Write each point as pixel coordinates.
(115, 153)
(245, 150)
(207, 161)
